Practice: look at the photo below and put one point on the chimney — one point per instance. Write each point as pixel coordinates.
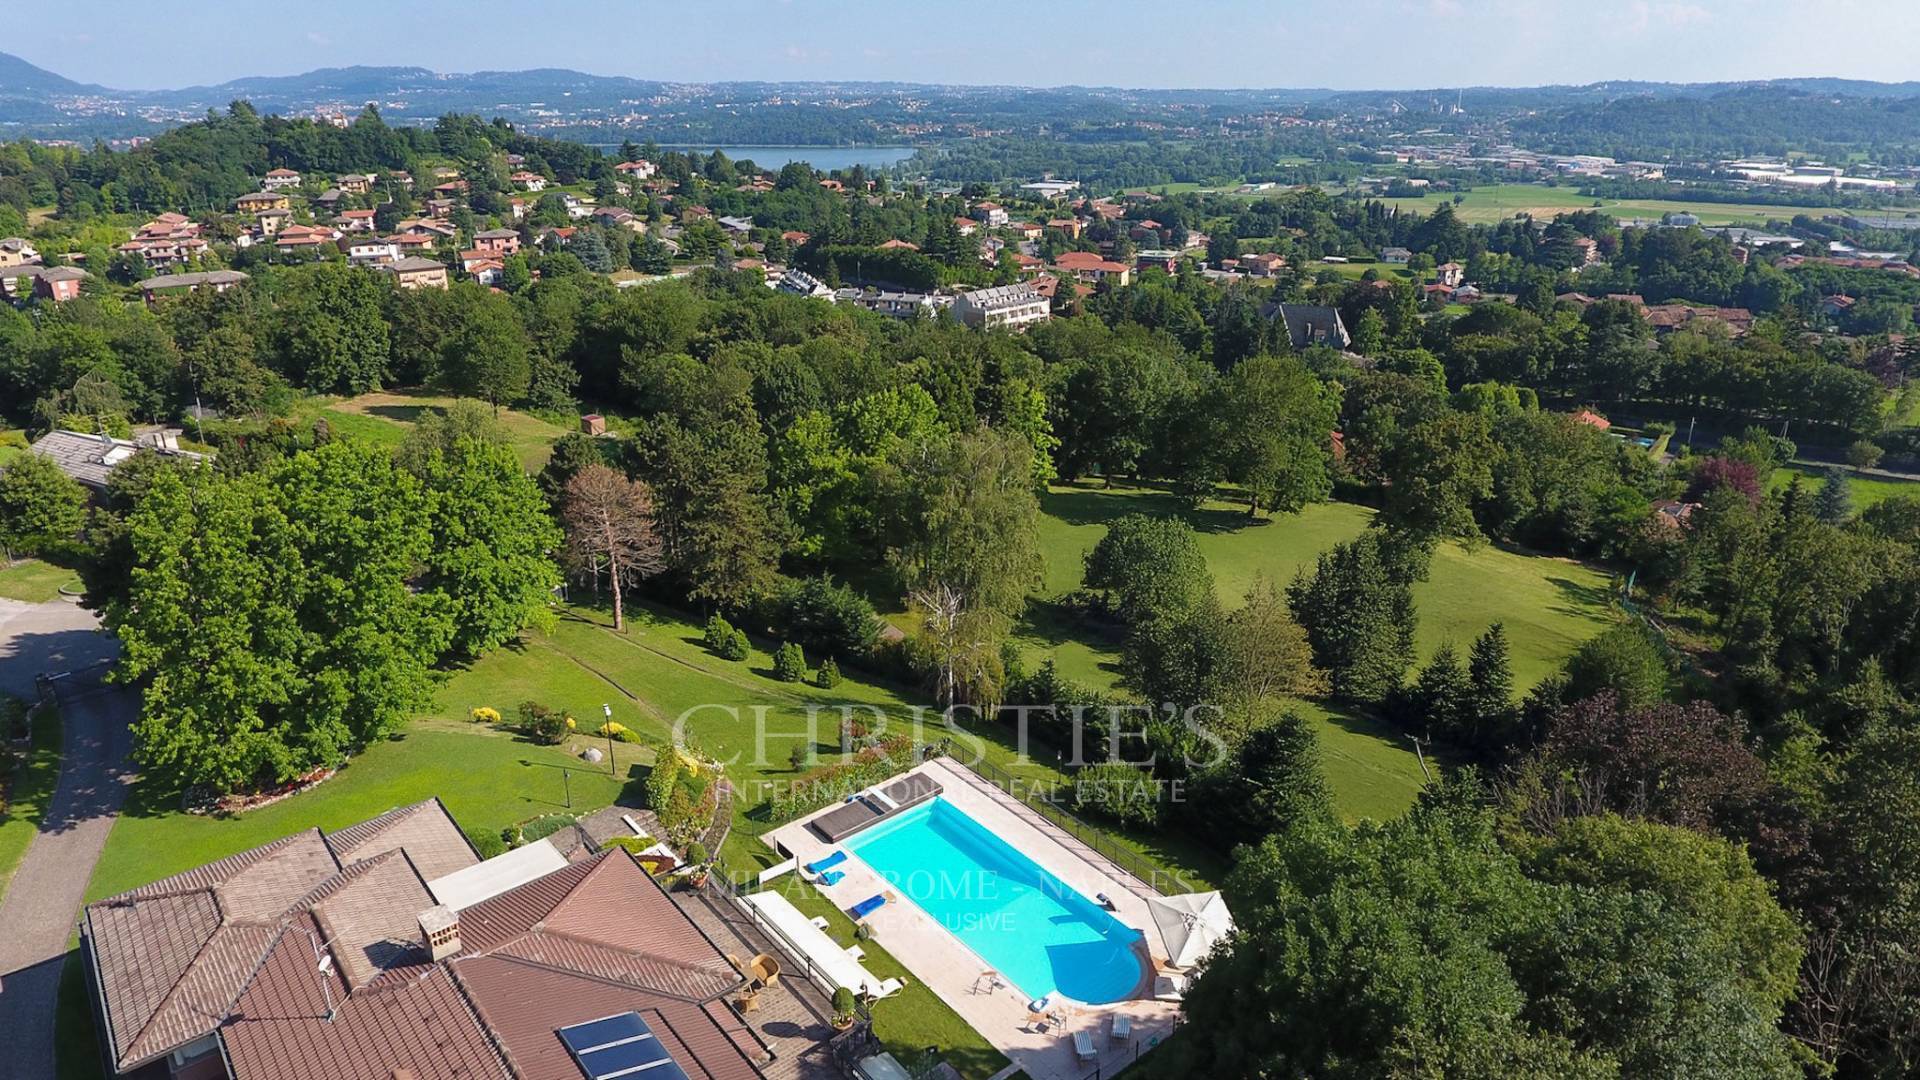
(440, 925)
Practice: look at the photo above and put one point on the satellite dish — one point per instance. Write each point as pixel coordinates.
(326, 963)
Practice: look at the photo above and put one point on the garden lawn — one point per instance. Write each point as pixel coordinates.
(30, 789)
(1867, 490)
(34, 581)
(489, 781)
(1549, 607)
(383, 417)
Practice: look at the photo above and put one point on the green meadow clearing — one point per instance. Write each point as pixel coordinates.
(383, 417)
(1867, 489)
(1548, 605)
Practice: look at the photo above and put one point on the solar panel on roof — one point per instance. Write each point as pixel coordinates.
(620, 1045)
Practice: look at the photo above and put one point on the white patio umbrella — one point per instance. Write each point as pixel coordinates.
(1189, 924)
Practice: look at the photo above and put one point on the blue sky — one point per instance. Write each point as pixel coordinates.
(1349, 44)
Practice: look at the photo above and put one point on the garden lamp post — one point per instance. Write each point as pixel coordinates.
(607, 709)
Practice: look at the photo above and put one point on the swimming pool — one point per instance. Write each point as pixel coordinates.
(1018, 918)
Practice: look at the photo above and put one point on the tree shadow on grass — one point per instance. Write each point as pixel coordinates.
(1095, 506)
(405, 414)
(1578, 597)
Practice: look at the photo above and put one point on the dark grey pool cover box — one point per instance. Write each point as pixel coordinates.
(848, 818)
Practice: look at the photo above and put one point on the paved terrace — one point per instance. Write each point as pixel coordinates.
(793, 1016)
(954, 972)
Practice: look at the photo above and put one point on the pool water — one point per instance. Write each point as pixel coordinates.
(1018, 918)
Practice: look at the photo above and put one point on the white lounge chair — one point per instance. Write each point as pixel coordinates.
(888, 988)
(1169, 986)
(1083, 1045)
(819, 922)
(1122, 1026)
(856, 952)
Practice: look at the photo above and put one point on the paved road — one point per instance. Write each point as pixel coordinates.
(37, 914)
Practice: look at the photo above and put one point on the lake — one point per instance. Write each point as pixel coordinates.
(823, 158)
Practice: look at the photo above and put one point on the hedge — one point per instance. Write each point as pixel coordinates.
(833, 783)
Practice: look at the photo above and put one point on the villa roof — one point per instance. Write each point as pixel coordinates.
(305, 957)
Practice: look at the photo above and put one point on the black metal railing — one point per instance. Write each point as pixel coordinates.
(732, 894)
(1042, 797)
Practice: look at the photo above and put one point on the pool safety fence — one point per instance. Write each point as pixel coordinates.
(1102, 843)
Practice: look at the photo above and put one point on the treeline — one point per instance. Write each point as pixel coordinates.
(1736, 123)
(1127, 161)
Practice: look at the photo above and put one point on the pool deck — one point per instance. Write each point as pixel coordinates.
(954, 972)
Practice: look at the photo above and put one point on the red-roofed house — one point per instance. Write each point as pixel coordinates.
(1092, 267)
(388, 951)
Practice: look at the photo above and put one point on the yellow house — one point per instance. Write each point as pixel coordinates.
(263, 200)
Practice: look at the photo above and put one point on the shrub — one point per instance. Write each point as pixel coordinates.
(1118, 791)
(486, 844)
(540, 722)
(662, 780)
(826, 617)
(842, 1004)
(737, 646)
(798, 757)
(837, 781)
(485, 714)
(617, 730)
(719, 637)
(542, 827)
(828, 676)
(790, 663)
(697, 853)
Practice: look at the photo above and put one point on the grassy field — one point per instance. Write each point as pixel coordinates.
(1867, 490)
(26, 799)
(1497, 202)
(34, 581)
(1549, 606)
(384, 417)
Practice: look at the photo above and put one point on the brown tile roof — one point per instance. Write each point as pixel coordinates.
(171, 956)
(306, 967)
(295, 1021)
(524, 1003)
(370, 917)
(427, 832)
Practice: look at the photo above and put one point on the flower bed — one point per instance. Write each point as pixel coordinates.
(205, 801)
(833, 783)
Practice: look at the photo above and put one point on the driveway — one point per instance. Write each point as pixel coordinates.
(38, 912)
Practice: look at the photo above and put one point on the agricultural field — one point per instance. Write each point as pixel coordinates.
(1496, 202)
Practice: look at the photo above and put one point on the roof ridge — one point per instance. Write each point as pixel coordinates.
(576, 973)
(241, 860)
(658, 957)
(174, 989)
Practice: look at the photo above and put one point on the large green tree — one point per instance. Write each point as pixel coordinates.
(493, 545)
(1270, 425)
(39, 505)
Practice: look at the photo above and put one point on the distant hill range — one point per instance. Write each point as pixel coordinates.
(35, 102)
